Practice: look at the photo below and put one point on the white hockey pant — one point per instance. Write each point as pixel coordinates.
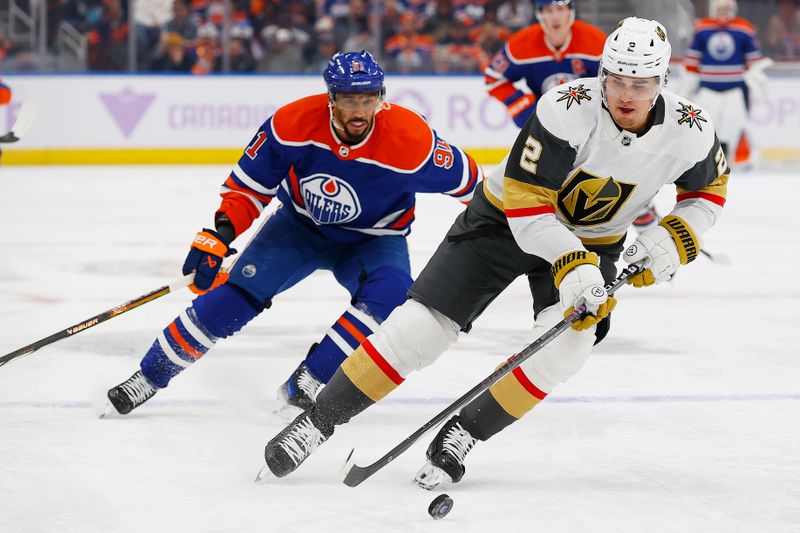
(728, 112)
(414, 336)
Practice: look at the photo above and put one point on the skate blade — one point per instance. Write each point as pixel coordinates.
(109, 412)
(263, 474)
(431, 477)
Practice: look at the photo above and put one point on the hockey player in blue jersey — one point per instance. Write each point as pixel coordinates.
(724, 64)
(556, 50)
(345, 166)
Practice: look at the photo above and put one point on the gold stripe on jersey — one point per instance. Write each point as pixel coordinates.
(367, 375)
(599, 241)
(518, 195)
(685, 239)
(718, 187)
(494, 200)
(513, 397)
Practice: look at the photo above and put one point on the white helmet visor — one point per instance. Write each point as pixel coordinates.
(630, 89)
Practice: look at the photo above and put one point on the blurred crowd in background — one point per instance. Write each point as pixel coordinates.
(407, 36)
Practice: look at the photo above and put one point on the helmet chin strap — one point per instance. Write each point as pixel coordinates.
(333, 119)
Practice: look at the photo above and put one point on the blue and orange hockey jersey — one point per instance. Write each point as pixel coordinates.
(720, 53)
(528, 56)
(347, 192)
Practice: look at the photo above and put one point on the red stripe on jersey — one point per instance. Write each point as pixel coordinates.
(528, 385)
(231, 184)
(403, 220)
(529, 211)
(713, 198)
(295, 186)
(382, 363)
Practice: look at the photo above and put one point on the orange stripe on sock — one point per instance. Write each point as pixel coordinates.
(351, 329)
(173, 329)
(382, 363)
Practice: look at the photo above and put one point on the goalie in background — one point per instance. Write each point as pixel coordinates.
(725, 72)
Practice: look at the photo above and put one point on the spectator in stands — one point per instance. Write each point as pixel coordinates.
(239, 52)
(283, 47)
(108, 38)
(409, 50)
(172, 56)
(777, 42)
(463, 53)
(180, 22)
(206, 50)
(148, 18)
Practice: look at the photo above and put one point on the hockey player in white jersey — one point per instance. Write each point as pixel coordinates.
(595, 152)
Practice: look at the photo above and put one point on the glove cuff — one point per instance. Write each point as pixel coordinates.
(685, 239)
(211, 242)
(570, 260)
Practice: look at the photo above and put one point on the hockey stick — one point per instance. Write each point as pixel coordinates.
(354, 474)
(104, 316)
(25, 117)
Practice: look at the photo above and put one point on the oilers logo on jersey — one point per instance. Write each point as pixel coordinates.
(721, 46)
(588, 200)
(329, 200)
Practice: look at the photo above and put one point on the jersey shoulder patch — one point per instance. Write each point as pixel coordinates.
(690, 123)
(303, 120)
(569, 111)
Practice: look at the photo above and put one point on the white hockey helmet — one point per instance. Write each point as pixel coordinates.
(638, 48)
(723, 8)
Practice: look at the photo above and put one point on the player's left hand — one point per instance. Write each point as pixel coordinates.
(579, 280)
(662, 250)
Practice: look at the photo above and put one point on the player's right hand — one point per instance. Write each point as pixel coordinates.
(205, 258)
(578, 279)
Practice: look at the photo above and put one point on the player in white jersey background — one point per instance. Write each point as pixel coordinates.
(596, 151)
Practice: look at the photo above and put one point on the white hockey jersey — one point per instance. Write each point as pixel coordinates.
(575, 179)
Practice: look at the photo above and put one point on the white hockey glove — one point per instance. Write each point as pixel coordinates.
(756, 80)
(662, 250)
(578, 279)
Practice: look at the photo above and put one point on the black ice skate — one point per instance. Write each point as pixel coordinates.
(129, 394)
(298, 393)
(446, 456)
(289, 448)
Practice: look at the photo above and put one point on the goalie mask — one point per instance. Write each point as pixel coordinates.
(637, 48)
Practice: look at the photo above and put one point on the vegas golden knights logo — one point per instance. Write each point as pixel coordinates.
(588, 200)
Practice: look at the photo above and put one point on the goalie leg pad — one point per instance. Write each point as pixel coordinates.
(411, 338)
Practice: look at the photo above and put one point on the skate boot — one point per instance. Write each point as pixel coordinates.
(297, 394)
(289, 448)
(446, 456)
(130, 394)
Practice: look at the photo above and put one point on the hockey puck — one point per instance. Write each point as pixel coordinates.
(440, 506)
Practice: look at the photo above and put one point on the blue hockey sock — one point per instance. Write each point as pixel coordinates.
(215, 315)
(346, 334)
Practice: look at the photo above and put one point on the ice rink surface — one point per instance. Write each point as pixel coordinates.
(686, 418)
